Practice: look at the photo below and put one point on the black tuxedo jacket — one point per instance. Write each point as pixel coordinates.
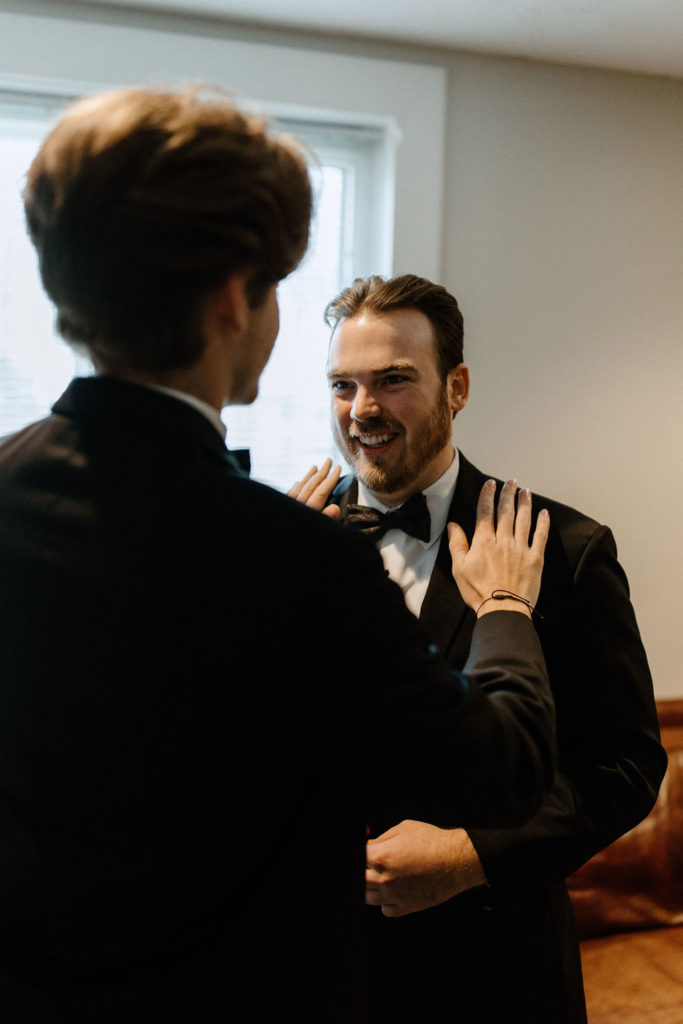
(199, 678)
(508, 952)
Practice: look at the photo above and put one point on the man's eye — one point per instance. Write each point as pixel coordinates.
(395, 378)
(339, 385)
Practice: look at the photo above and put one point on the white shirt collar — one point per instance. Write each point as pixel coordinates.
(439, 496)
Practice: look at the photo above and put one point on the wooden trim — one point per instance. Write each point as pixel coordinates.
(670, 712)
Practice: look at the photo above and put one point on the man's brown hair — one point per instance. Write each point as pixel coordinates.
(141, 202)
(378, 295)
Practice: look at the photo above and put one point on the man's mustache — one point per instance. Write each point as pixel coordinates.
(359, 428)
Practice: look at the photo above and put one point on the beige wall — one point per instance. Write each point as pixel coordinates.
(563, 240)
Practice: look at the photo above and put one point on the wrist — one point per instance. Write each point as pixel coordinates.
(501, 599)
(470, 871)
(507, 605)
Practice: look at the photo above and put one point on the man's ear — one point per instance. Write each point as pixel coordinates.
(458, 387)
(231, 303)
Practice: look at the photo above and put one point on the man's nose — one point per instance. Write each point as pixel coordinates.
(365, 405)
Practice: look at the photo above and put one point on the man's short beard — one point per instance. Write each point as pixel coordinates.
(431, 436)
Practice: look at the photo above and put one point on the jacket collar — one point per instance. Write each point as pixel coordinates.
(119, 405)
(443, 608)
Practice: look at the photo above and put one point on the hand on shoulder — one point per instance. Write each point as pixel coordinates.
(500, 561)
(316, 487)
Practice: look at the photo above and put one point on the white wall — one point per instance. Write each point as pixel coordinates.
(562, 238)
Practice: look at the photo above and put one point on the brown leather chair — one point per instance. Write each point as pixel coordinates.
(628, 902)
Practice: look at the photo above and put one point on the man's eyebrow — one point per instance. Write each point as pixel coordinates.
(379, 371)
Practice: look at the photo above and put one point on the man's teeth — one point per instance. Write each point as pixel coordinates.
(374, 440)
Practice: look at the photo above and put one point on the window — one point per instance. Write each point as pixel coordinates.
(34, 367)
(287, 428)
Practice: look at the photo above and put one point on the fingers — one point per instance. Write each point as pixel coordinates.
(511, 521)
(457, 543)
(317, 485)
(373, 889)
(295, 490)
(313, 480)
(379, 894)
(485, 507)
(506, 508)
(373, 878)
(373, 897)
(541, 533)
(523, 518)
(322, 483)
(516, 521)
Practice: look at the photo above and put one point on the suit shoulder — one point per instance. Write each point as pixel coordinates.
(565, 518)
(282, 520)
(575, 538)
(574, 527)
(573, 534)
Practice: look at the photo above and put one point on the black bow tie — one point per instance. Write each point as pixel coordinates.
(412, 517)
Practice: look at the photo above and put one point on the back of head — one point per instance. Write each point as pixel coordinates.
(140, 202)
(376, 295)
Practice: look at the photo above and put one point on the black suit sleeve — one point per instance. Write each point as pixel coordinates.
(480, 743)
(611, 762)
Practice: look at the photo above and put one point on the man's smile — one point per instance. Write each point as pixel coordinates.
(374, 443)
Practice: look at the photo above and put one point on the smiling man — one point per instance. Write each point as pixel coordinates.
(475, 925)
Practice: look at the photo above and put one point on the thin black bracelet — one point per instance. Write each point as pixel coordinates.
(501, 595)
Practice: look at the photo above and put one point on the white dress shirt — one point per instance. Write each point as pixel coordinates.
(410, 561)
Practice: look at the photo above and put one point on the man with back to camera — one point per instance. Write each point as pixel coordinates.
(474, 925)
(177, 746)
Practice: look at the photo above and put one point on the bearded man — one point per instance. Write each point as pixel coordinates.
(475, 925)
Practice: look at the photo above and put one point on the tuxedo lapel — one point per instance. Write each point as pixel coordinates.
(444, 613)
(345, 493)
